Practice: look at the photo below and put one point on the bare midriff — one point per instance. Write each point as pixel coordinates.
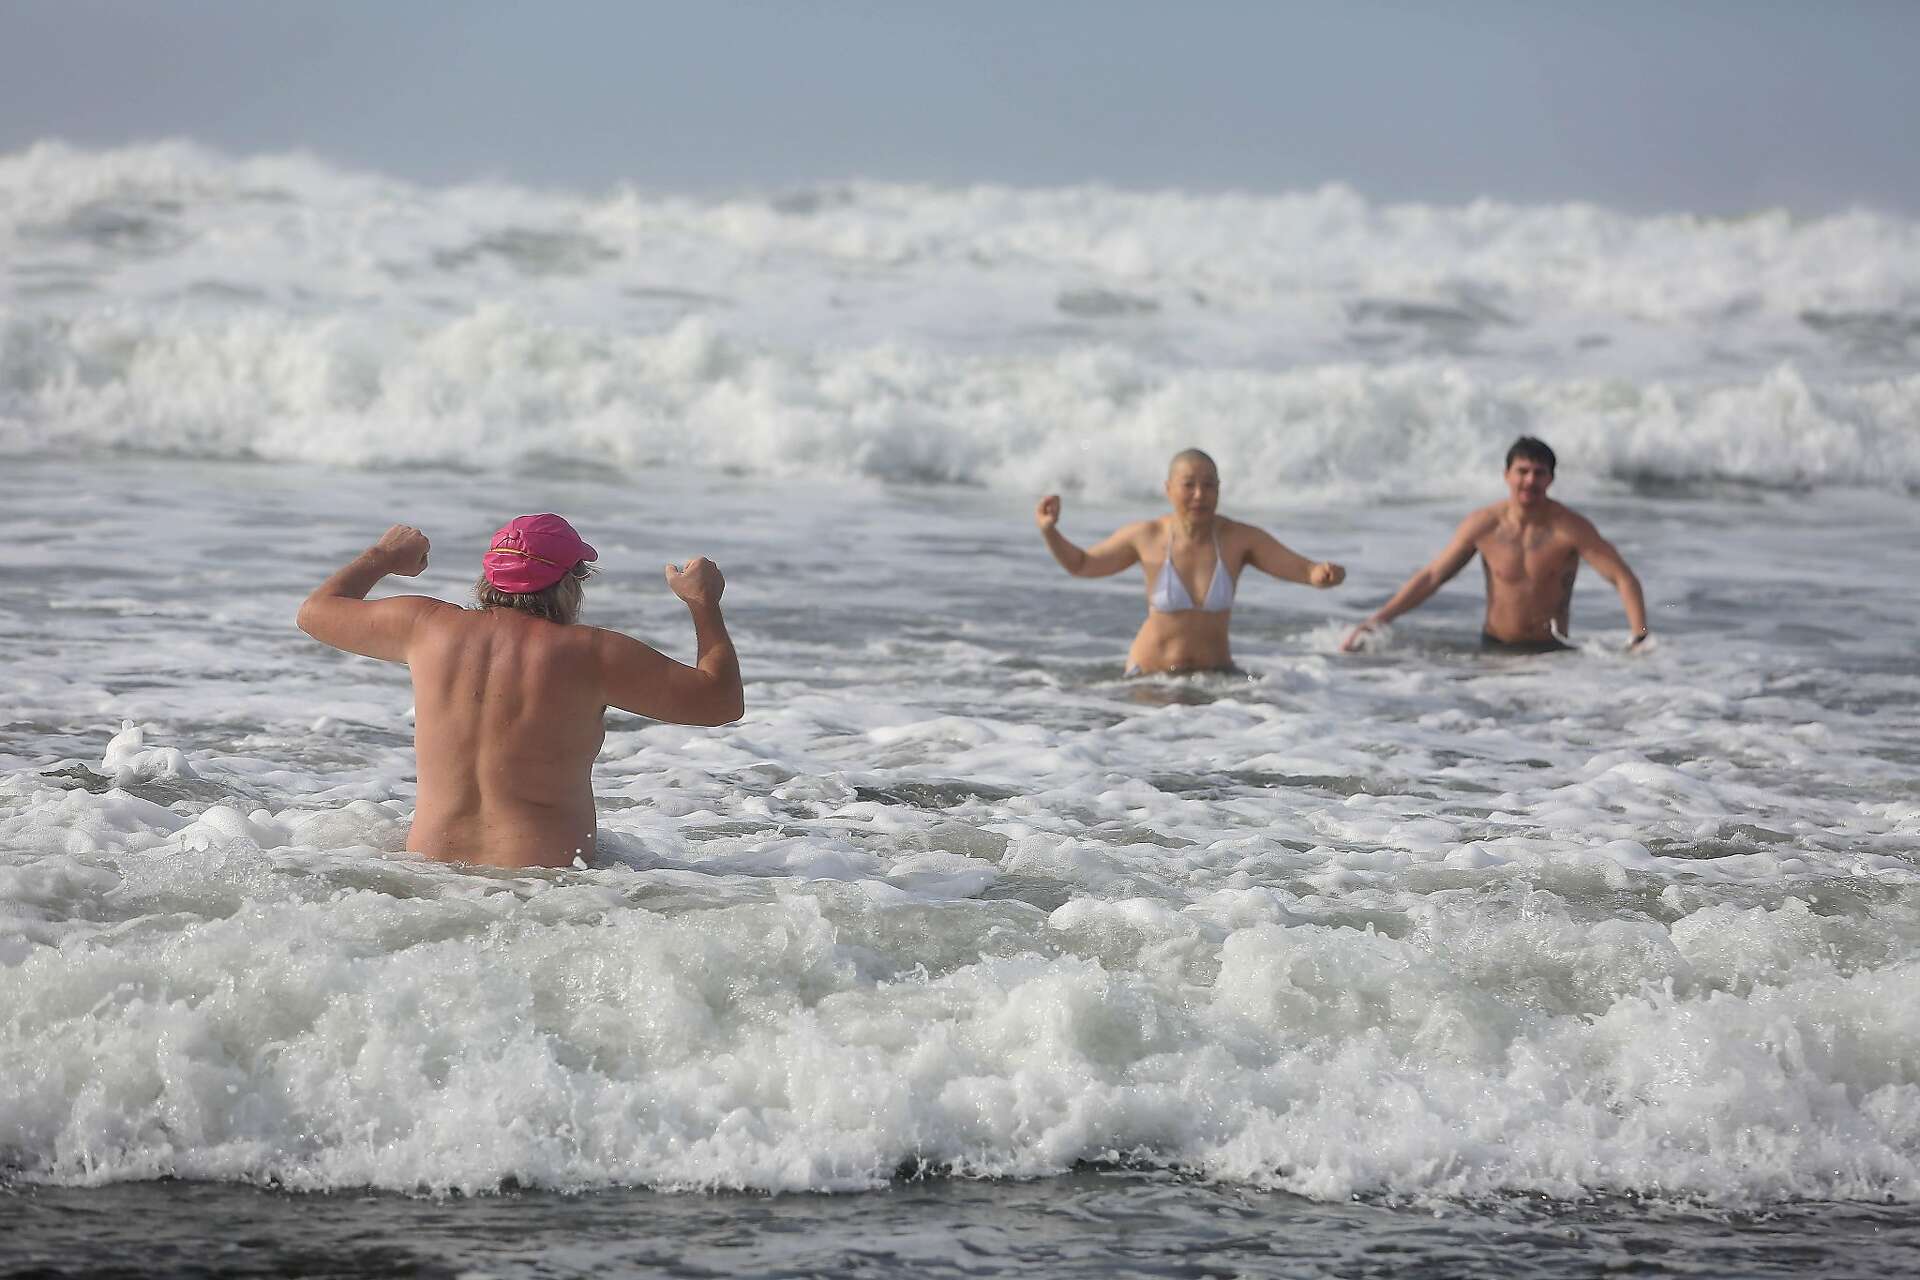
(1189, 640)
(507, 722)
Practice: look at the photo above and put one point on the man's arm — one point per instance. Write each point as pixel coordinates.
(641, 679)
(1269, 555)
(1103, 559)
(1606, 562)
(338, 612)
(1434, 575)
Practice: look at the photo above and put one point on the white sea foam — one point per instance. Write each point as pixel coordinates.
(252, 1007)
(491, 389)
(952, 896)
(166, 299)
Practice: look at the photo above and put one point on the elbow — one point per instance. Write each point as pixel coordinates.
(727, 706)
(305, 619)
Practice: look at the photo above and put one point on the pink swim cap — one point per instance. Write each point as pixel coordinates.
(533, 552)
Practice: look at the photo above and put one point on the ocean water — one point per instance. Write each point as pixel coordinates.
(958, 952)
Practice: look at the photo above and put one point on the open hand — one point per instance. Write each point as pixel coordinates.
(1356, 638)
(699, 583)
(1326, 574)
(403, 550)
(1047, 514)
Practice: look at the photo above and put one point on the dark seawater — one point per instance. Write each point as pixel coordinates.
(1088, 1223)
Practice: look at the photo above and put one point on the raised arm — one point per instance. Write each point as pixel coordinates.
(1269, 555)
(639, 678)
(1434, 575)
(1606, 562)
(338, 612)
(1105, 558)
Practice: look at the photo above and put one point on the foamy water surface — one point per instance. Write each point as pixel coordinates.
(953, 894)
(1418, 926)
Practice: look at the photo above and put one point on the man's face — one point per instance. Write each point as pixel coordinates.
(1527, 481)
(1193, 488)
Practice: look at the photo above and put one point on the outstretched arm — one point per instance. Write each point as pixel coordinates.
(1606, 562)
(1269, 555)
(641, 679)
(1103, 559)
(1436, 574)
(338, 612)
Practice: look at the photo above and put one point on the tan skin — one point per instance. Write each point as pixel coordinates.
(509, 708)
(1531, 548)
(1188, 640)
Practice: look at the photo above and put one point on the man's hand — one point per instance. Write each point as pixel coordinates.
(700, 583)
(402, 550)
(1355, 638)
(1047, 514)
(1326, 574)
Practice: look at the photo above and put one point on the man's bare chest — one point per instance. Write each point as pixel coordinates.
(1521, 556)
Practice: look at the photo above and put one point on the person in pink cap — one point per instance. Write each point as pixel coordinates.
(510, 698)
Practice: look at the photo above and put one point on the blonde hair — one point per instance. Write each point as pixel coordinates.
(558, 603)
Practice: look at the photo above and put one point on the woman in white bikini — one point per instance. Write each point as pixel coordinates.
(1192, 545)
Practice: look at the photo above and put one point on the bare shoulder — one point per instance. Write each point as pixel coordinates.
(1573, 526)
(1482, 522)
(608, 645)
(601, 639)
(426, 611)
(1238, 533)
(441, 608)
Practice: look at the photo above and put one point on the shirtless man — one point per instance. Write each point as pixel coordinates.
(1531, 547)
(509, 698)
(1192, 559)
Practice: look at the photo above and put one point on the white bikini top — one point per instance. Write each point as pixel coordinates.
(1170, 595)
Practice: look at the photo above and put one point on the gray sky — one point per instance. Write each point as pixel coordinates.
(1718, 106)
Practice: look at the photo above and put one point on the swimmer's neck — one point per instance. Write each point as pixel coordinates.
(1194, 528)
(1541, 512)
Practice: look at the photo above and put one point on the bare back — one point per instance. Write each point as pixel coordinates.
(508, 718)
(509, 708)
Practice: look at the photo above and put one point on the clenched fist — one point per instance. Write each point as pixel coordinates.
(1326, 574)
(1047, 514)
(402, 550)
(700, 583)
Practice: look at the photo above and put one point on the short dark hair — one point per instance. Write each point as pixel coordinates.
(1533, 451)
